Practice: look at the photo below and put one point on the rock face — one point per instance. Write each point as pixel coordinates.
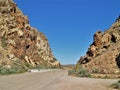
(21, 42)
(103, 55)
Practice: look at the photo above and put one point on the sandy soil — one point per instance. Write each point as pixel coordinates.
(52, 80)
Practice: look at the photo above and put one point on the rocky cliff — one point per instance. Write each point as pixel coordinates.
(19, 42)
(103, 55)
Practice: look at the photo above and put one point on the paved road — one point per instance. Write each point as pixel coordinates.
(53, 80)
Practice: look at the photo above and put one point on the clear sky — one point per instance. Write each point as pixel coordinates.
(69, 25)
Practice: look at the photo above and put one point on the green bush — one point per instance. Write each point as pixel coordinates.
(83, 73)
(71, 72)
(116, 85)
(79, 71)
(13, 70)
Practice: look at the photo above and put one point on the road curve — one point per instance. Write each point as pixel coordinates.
(52, 80)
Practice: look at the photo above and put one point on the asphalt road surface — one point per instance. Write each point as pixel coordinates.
(52, 80)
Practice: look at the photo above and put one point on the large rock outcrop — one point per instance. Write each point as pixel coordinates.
(19, 42)
(103, 55)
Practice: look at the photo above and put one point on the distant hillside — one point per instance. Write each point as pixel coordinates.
(21, 44)
(103, 55)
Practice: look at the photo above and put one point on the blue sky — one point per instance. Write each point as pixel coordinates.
(69, 25)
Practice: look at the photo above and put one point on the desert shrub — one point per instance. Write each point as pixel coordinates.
(71, 72)
(4, 71)
(27, 64)
(79, 71)
(116, 85)
(13, 70)
(83, 73)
